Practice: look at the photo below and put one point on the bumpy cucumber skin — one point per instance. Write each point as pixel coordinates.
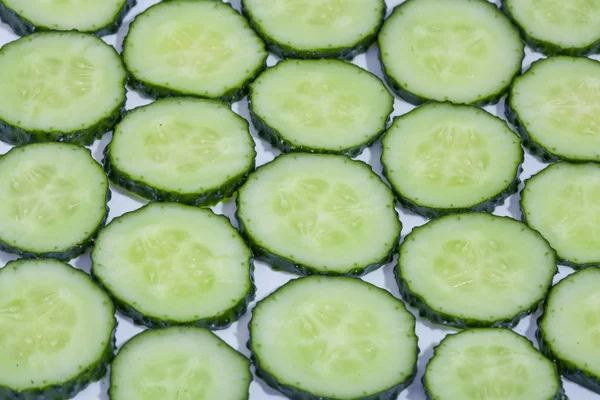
(22, 26)
(283, 50)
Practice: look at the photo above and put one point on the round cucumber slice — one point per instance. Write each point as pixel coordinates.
(198, 48)
(171, 264)
(316, 29)
(462, 51)
(333, 338)
(59, 86)
(56, 330)
(325, 106)
(188, 150)
(443, 158)
(475, 270)
(555, 107)
(179, 363)
(54, 200)
(569, 329)
(318, 214)
(491, 364)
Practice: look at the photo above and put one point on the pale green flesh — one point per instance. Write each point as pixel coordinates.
(173, 262)
(457, 50)
(490, 364)
(179, 364)
(571, 323)
(328, 212)
(450, 156)
(203, 47)
(334, 337)
(183, 145)
(54, 197)
(558, 102)
(322, 104)
(59, 82)
(477, 266)
(54, 323)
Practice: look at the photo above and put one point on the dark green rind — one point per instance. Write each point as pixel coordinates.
(22, 26)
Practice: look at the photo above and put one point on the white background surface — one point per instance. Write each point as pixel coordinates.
(268, 280)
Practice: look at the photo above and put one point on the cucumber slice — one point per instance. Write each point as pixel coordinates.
(189, 150)
(555, 107)
(316, 29)
(463, 51)
(443, 158)
(59, 86)
(560, 203)
(475, 270)
(333, 338)
(491, 364)
(179, 363)
(318, 214)
(557, 26)
(92, 16)
(569, 329)
(325, 106)
(169, 264)
(56, 330)
(198, 48)
(54, 200)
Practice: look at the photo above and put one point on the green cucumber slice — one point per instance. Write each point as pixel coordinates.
(462, 51)
(91, 16)
(59, 86)
(569, 329)
(333, 338)
(54, 200)
(567, 27)
(183, 363)
(316, 29)
(188, 150)
(560, 203)
(443, 158)
(56, 330)
(170, 264)
(475, 270)
(491, 364)
(325, 106)
(318, 214)
(199, 48)
(555, 107)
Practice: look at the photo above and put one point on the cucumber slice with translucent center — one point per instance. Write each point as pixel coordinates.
(179, 363)
(335, 337)
(325, 105)
(464, 51)
(475, 270)
(313, 213)
(491, 364)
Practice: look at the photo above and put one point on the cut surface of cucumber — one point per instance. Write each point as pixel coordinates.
(475, 270)
(555, 107)
(199, 48)
(318, 213)
(59, 86)
(443, 158)
(54, 199)
(463, 51)
(333, 338)
(316, 28)
(187, 150)
(179, 363)
(56, 330)
(168, 264)
(326, 106)
(491, 364)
